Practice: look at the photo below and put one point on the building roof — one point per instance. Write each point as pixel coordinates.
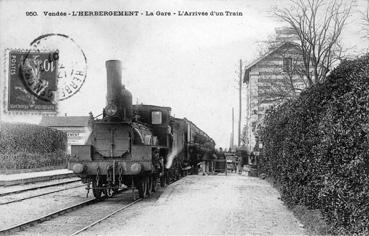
(65, 121)
(249, 66)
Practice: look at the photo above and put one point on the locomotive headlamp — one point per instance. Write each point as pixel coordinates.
(136, 168)
(111, 109)
(78, 168)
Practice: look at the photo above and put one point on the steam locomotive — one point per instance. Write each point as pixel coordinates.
(136, 146)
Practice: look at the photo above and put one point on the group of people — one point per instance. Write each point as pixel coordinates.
(213, 161)
(220, 161)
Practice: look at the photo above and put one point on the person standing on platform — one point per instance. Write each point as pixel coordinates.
(221, 156)
(205, 164)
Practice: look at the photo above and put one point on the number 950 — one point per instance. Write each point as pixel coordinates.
(31, 13)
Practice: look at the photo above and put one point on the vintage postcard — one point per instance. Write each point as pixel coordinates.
(198, 105)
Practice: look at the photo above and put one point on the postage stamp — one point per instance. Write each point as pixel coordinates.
(31, 80)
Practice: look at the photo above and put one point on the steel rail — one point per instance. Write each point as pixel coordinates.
(39, 187)
(39, 195)
(105, 217)
(47, 217)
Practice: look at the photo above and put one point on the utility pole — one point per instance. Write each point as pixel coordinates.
(232, 134)
(240, 106)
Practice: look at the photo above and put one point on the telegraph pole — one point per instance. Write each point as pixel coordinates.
(232, 134)
(240, 106)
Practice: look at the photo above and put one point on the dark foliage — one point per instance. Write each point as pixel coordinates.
(317, 147)
(30, 146)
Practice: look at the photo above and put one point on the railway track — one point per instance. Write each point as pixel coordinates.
(38, 220)
(77, 218)
(38, 195)
(38, 187)
(105, 217)
(110, 210)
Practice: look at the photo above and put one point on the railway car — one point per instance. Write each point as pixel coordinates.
(135, 145)
(196, 143)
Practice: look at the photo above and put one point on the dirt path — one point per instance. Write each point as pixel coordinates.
(207, 205)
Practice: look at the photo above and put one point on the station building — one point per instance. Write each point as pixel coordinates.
(271, 79)
(76, 127)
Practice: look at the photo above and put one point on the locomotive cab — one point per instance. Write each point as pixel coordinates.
(157, 118)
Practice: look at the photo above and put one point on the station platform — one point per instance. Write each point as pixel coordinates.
(33, 177)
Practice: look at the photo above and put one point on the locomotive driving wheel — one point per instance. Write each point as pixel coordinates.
(149, 185)
(177, 171)
(168, 175)
(154, 183)
(141, 185)
(163, 179)
(96, 189)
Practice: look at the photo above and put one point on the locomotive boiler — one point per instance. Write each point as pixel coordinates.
(135, 145)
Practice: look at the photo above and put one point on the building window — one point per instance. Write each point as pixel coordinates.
(287, 64)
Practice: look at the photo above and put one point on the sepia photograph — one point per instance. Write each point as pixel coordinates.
(184, 117)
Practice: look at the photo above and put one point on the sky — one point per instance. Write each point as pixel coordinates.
(189, 63)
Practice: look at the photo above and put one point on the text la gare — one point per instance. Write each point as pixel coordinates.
(158, 13)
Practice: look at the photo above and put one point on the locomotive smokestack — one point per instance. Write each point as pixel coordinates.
(117, 96)
(114, 81)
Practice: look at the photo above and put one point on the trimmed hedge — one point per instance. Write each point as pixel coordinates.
(317, 147)
(22, 160)
(25, 146)
(30, 138)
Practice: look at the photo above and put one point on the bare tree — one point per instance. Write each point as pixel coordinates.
(366, 20)
(318, 25)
